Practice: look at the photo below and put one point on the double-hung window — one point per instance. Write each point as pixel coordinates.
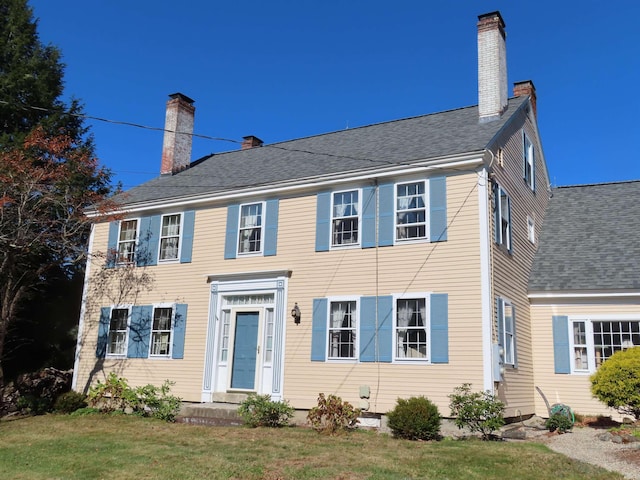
(250, 232)
(411, 211)
(161, 328)
(528, 160)
(127, 238)
(170, 237)
(342, 330)
(117, 340)
(411, 327)
(502, 218)
(594, 340)
(507, 331)
(345, 218)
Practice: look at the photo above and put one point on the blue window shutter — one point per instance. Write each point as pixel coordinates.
(439, 312)
(323, 221)
(139, 331)
(386, 222)
(319, 330)
(188, 224)
(438, 209)
(147, 248)
(370, 350)
(561, 354)
(103, 332)
(368, 230)
(112, 244)
(179, 329)
(271, 228)
(231, 236)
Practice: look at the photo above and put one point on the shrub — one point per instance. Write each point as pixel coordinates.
(560, 422)
(70, 402)
(617, 382)
(478, 411)
(33, 404)
(115, 395)
(415, 418)
(261, 411)
(332, 415)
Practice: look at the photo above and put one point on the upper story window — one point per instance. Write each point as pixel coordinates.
(117, 343)
(594, 341)
(127, 239)
(342, 330)
(170, 237)
(528, 160)
(250, 231)
(345, 218)
(411, 211)
(161, 329)
(502, 217)
(531, 230)
(411, 329)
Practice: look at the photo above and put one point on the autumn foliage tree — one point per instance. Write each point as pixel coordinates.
(45, 185)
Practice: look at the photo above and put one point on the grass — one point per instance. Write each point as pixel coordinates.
(127, 447)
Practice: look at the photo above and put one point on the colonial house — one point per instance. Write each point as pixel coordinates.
(377, 262)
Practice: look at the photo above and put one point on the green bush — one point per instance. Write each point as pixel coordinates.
(617, 382)
(33, 405)
(69, 402)
(480, 412)
(560, 422)
(261, 411)
(115, 395)
(332, 415)
(415, 418)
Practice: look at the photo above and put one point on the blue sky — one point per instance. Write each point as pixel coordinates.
(286, 69)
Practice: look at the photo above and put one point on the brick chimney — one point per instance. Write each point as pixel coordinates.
(250, 141)
(492, 67)
(526, 87)
(176, 147)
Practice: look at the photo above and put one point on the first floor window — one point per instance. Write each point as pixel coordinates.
(594, 341)
(161, 331)
(127, 241)
(250, 233)
(345, 218)
(411, 212)
(507, 331)
(342, 330)
(118, 331)
(411, 329)
(169, 237)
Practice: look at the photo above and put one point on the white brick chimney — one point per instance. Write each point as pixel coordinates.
(176, 147)
(492, 67)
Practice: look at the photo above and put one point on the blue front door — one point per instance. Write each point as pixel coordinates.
(243, 371)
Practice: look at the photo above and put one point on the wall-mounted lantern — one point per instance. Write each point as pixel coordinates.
(295, 313)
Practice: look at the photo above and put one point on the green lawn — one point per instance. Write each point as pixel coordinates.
(122, 447)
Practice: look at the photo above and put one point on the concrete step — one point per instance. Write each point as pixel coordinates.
(212, 414)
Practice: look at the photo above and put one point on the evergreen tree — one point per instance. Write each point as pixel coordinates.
(47, 176)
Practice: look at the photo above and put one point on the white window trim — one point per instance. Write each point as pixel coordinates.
(331, 219)
(136, 243)
(170, 260)
(505, 242)
(262, 229)
(588, 321)
(126, 336)
(172, 306)
(528, 159)
(356, 347)
(427, 233)
(514, 338)
(531, 229)
(426, 296)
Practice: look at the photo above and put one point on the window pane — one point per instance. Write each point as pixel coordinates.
(342, 330)
(118, 331)
(161, 331)
(169, 237)
(612, 336)
(345, 218)
(411, 333)
(250, 228)
(127, 241)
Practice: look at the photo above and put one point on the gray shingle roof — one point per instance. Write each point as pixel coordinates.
(589, 240)
(353, 150)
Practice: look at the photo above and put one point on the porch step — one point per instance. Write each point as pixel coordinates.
(211, 414)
